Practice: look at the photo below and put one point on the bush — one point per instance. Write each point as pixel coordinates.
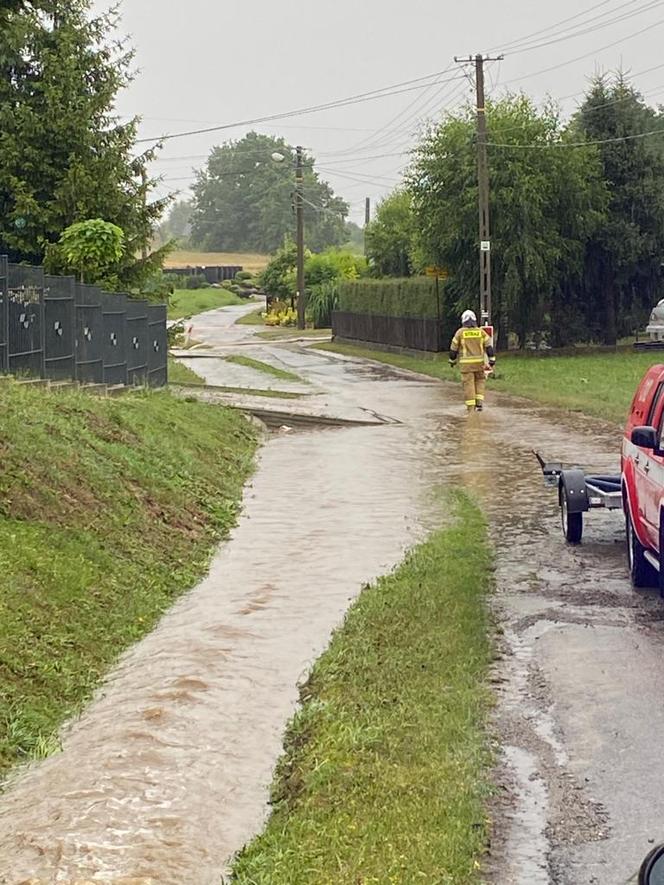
(196, 281)
(413, 297)
(228, 284)
(334, 265)
(323, 299)
(243, 275)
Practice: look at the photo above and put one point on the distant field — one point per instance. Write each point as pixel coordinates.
(248, 260)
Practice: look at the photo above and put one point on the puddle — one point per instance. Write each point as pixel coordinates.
(527, 848)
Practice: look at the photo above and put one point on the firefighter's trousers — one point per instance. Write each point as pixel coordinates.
(474, 385)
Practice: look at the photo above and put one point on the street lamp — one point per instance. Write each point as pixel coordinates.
(299, 239)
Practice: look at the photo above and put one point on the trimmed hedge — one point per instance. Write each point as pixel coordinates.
(412, 297)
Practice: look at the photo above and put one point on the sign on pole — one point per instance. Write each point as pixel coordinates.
(440, 273)
(485, 245)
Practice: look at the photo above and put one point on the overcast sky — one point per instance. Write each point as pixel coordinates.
(206, 63)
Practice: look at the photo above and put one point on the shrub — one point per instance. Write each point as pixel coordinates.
(412, 297)
(323, 299)
(244, 275)
(197, 281)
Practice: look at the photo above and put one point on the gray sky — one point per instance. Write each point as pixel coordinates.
(206, 63)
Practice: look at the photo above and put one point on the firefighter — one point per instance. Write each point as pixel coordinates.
(471, 348)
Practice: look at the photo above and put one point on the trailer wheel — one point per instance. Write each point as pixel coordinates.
(572, 522)
(640, 570)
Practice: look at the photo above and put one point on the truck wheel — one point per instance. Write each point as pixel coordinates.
(640, 570)
(572, 522)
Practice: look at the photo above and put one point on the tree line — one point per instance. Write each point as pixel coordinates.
(577, 214)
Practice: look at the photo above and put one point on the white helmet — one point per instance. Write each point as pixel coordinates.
(468, 316)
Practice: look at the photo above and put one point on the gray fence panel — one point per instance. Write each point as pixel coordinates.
(158, 346)
(59, 327)
(138, 335)
(89, 335)
(114, 313)
(53, 327)
(4, 316)
(26, 320)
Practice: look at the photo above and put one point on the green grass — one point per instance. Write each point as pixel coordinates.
(266, 368)
(181, 374)
(189, 302)
(599, 383)
(285, 334)
(385, 775)
(109, 510)
(255, 318)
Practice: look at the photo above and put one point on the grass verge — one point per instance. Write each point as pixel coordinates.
(255, 318)
(287, 334)
(109, 510)
(189, 302)
(385, 775)
(601, 384)
(266, 368)
(181, 374)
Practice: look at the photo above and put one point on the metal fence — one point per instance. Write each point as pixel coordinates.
(53, 327)
(216, 274)
(408, 332)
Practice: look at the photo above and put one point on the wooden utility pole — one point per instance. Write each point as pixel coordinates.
(367, 212)
(144, 200)
(299, 211)
(484, 185)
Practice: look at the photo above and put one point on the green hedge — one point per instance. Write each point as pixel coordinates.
(413, 297)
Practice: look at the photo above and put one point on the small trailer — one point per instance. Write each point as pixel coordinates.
(580, 492)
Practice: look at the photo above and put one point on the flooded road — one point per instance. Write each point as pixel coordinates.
(167, 773)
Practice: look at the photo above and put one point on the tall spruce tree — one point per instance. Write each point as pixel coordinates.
(64, 154)
(623, 264)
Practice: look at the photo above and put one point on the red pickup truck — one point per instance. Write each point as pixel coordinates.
(642, 471)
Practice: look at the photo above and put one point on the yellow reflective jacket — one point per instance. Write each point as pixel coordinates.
(469, 347)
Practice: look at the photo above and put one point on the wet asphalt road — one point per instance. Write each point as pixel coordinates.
(578, 677)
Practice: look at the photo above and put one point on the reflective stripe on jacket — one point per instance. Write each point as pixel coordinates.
(469, 346)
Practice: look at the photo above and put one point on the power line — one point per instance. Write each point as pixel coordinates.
(575, 144)
(585, 55)
(587, 30)
(507, 47)
(385, 92)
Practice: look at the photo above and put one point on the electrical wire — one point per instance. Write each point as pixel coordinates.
(508, 47)
(575, 144)
(385, 92)
(587, 30)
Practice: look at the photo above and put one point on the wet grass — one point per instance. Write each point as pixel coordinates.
(286, 334)
(255, 318)
(266, 368)
(109, 510)
(601, 383)
(189, 302)
(385, 775)
(181, 374)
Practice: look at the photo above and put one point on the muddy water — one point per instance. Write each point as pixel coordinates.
(166, 774)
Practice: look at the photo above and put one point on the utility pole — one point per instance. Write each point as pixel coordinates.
(144, 200)
(367, 212)
(299, 211)
(484, 185)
